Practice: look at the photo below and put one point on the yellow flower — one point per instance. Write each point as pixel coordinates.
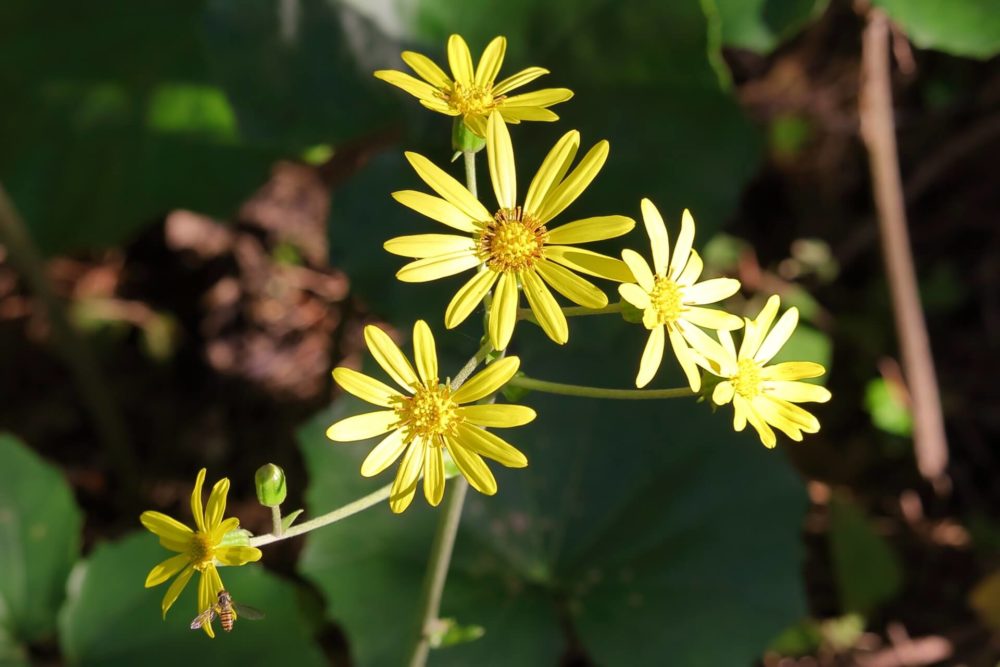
(512, 247)
(670, 297)
(766, 395)
(473, 94)
(429, 419)
(199, 550)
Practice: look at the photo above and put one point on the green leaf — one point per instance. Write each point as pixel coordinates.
(761, 25)
(289, 519)
(39, 541)
(646, 519)
(961, 27)
(110, 619)
(887, 411)
(867, 570)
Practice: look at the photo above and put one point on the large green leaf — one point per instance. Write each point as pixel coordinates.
(962, 27)
(761, 25)
(110, 619)
(39, 541)
(633, 519)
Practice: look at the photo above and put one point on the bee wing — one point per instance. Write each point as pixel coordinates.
(249, 613)
(204, 617)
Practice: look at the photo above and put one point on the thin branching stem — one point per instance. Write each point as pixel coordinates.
(582, 391)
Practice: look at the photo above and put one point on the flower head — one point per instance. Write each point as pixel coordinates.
(199, 550)
(766, 395)
(513, 246)
(671, 297)
(429, 418)
(473, 93)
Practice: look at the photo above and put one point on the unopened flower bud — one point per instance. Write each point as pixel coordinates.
(270, 482)
(465, 140)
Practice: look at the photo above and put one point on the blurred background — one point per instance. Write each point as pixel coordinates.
(203, 191)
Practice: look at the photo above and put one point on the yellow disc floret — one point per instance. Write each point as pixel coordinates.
(747, 380)
(430, 412)
(512, 241)
(202, 550)
(666, 299)
(474, 100)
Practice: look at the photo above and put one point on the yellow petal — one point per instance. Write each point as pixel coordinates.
(544, 306)
(196, 508)
(449, 188)
(740, 408)
(472, 467)
(226, 525)
(798, 392)
(166, 569)
(778, 336)
(429, 245)
(553, 168)
(639, 268)
(236, 554)
(441, 266)
(500, 155)
(208, 594)
(405, 485)
(652, 355)
(173, 534)
(589, 263)
(498, 415)
(659, 240)
(425, 353)
(384, 454)
(363, 426)
(476, 124)
(487, 381)
(491, 446)
(683, 248)
(426, 69)
(712, 319)
(416, 87)
(366, 388)
(503, 312)
(468, 297)
(216, 507)
(794, 414)
(575, 183)
(517, 80)
(390, 357)
(710, 291)
(517, 114)
(175, 589)
(539, 98)
(723, 393)
(591, 229)
(433, 475)
(772, 414)
(708, 351)
(763, 430)
(687, 362)
(756, 329)
(440, 106)
(793, 370)
(460, 61)
(489, 67)
(573, 287)
(635, 295)
(692, 271)
(437, 209)
(726, 341)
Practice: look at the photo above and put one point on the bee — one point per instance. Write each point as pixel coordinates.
(227, 611)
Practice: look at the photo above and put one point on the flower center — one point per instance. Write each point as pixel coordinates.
(512, 241)
(472, 100)
(429, 412)
(747, 380)
(202, 551)
(667, 300)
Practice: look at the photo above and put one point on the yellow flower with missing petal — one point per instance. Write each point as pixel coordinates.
(473, 93)
(766, 395)
(671, 297)
(200, 550)
(513, 248)
(429, 419)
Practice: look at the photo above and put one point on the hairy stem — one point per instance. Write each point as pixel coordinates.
(572, 311)
(525, 382)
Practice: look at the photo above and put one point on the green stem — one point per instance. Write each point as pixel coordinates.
(572, 311)
(276, 521)
(525, 382)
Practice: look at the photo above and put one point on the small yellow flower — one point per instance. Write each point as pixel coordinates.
(512, 248)
(429, 419)
(670, 297)
(199, 550)
(473, 94)
(766, 395)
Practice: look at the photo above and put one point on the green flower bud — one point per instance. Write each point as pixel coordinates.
(270, 482)
(465, 140)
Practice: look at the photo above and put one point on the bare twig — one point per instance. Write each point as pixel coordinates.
(879, 133)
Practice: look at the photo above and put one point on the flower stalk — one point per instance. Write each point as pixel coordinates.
(582, 391)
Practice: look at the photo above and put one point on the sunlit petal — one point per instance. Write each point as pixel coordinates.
(500, 156)
(433, 475)
(196, 507)
(778, 336)
(438, 209)
(539, 98)
(487, 381)
(429, 245)
(793, 370)
(589, 263)
(175, 589)
(711, 291)
(366, 388)
(425, 354)
(468, 297)
(412, 85)
(237, 554)
(166, 569)
(503, 311)
(710, 318)
(723, 393)
(388, 355)
(659, 240)
(591, 229)
(384, 454)
(489, 67)
(517, 80)
(635, 295)
(683, 248)
(652, 356)
(564, 194)
(405, 484)
(798, 392)
(547, 311)
(460, 61)
(685, 358)
(426, 69)
(445, 185)
(497, 415)
(553, 168)
(170, 531)
(491, 446)
(515, 115)
(216, 507)
(573, 287)
(441, 266)
(692, 271)
(363, 426)
(472, 467)
(639, 268)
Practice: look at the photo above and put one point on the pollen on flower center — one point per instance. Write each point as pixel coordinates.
(474, 100)
(429, 412)
(666, 299)
(202, 551)
(747, 380)
(511, 241)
